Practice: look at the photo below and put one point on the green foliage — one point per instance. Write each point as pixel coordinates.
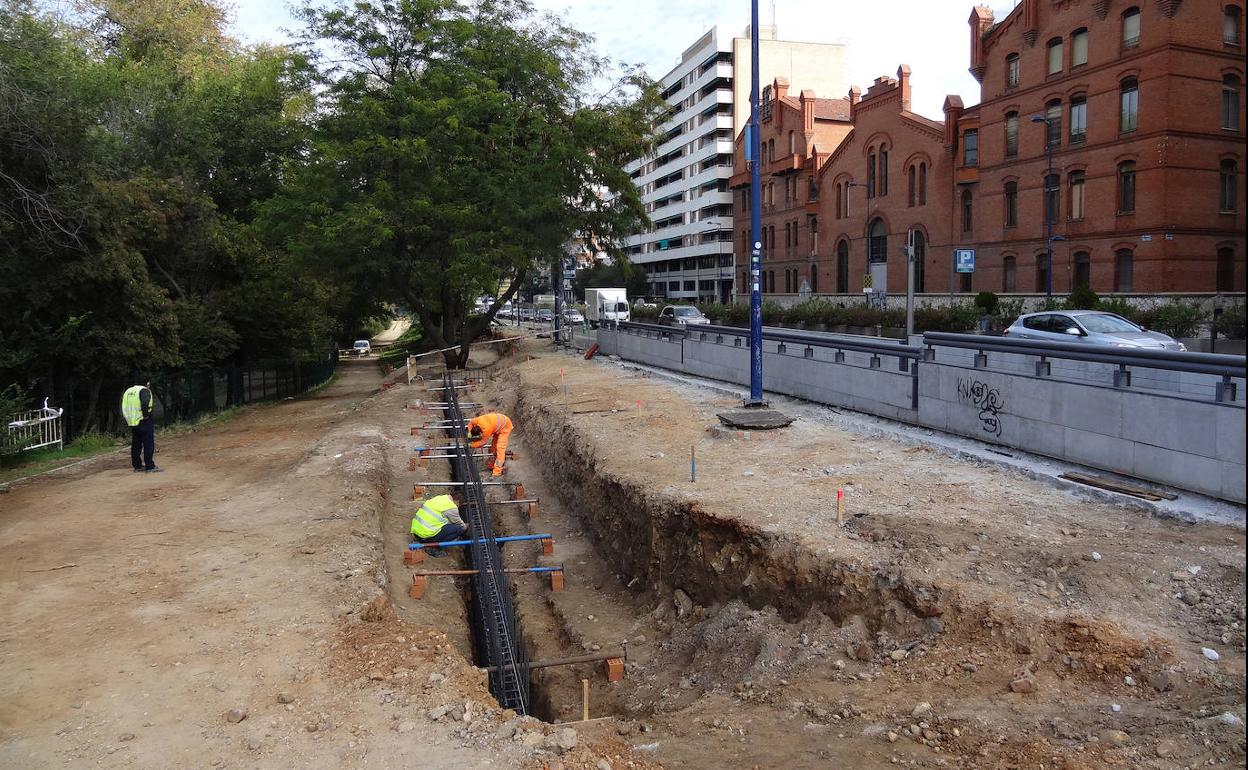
(987, 302)
(1231, 324)
(613, 275)
(1177, 319)
(1008, 310)
(1052, 303)
(642, 313)
(960, 317)
(1119, 306)
(1082, 298)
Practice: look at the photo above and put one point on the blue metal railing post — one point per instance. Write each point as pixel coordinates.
(756, 222)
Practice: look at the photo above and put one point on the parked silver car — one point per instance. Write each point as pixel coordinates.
(682, 315)
(1090, 326)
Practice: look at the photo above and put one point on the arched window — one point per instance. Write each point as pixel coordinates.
(1042, 272)
(1230, 25)
(792, 143)
(1126, 187)
(814, 278)
(910, 195)
(787, 238)
(877, 245)
(840, 210)
(871, 174)
(1227, 176)
(771, 281)
(1011, 134)
(814, 235)
(922, 184)
(1230, 103)
(883, 171)
(771, 151)
(967, 211)
(1055, 56)
(920, 259)
(1011, 71)
(1079, 47)
(1053, 123)
(1130, 98)
(1011, 204)
(1052, 197)
(1131, 27)
(1083, 269)
(1075, 180)
(1078, 118)
(1009, 274)
(1226, 269)
(842, 267)
(1124, 270)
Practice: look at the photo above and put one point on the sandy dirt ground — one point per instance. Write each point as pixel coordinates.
(225, 612)
(1013, 624)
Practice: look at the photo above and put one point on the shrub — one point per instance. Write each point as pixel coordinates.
(987, 301)
(1119, 306)
(1178, 319)
(1082, 298)
(641, 313)
(960, 317)
(1050, 304)
(1231, 323)
(1008, 310)
(809, 312)
(861, 315)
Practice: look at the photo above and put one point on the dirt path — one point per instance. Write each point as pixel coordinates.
(136, 611)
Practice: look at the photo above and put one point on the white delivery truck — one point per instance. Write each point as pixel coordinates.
(606, 306)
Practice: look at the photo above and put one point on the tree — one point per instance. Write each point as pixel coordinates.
(616, 274)
(457, 151)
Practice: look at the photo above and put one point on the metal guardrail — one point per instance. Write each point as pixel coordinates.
(1217, 364)
(35, 429)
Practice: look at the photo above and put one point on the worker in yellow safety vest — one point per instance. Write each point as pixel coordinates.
(437, 521)
(494, 427)
(136, 408)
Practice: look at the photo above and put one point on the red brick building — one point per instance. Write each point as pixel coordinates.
(1141, 101)
(796, 136)
(885, 184)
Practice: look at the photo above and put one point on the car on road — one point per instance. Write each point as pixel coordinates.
(1093, 327)
(361, 348)
(545, 315)
(682, 315)
(528, 314)
(573, 316)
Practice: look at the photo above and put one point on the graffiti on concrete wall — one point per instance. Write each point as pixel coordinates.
(987, 400)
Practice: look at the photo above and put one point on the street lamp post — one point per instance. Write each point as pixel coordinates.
(1048, 210)
(712, 226)
(753, 153)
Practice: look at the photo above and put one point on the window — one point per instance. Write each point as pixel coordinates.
(1083, 269)
(970, 148)
(1076, 180)
(910, 195)
(771, 151)
(1226, 186)
(1053, 124)
(1226, 269)
(792, 143)
(1131, 27)
(786, 237)
(814, 235)
(814, 278)
(1078, 47)
(1230, 103)
(964, 280)
(1011, 134)
(922, 184)
(920, 259)
(967, 211)
(1042, 273)
(1078, 118)
(839, 202)
(871, 174)
(1011, 71)
(1124, 269)
(788, 283)
(1230, 25)
(1052, 197)
(1009, 274)
(1130, 105)
(877, 244)
(842, 267)
(1126, 187)
(883, 171)
(1011, 204)
(1056, 53)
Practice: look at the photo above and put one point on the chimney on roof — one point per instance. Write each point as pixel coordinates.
(903, 85)
(981, 21)
(781, 87)
(855, 96)
(807, 98)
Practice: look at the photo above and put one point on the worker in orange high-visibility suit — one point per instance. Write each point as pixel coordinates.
(495, 427)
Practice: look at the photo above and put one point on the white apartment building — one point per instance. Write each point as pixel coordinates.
(687, 252)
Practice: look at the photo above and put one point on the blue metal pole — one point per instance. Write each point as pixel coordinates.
(756, 222)
(510, 539)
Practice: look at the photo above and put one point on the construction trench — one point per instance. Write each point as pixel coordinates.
(705, 641)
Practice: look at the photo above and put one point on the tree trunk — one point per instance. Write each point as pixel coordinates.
(88, 421)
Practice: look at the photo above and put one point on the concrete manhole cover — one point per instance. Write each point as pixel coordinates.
(754, 419)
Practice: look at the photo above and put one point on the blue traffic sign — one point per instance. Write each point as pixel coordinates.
(965, 260)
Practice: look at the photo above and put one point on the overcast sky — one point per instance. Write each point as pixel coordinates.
(930, 35)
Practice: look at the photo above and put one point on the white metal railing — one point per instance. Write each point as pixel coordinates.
(36, 428)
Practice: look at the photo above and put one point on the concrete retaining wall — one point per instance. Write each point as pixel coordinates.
(1176, 436)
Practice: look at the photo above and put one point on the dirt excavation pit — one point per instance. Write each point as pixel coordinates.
(958, 619)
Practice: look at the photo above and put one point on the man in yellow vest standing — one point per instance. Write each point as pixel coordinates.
(437, 521)
(136, 407)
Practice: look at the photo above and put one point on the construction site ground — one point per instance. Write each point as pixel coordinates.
(249, 606)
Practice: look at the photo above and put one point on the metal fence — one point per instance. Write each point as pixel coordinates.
(34, 429)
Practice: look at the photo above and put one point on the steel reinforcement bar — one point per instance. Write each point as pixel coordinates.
(497, 635)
